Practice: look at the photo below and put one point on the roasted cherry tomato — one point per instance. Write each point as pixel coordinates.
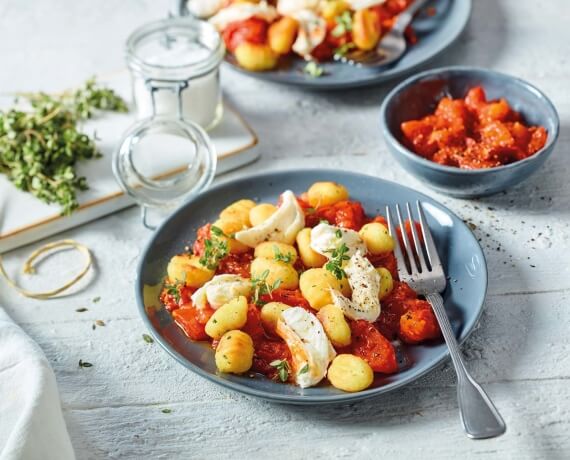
(373, 347)
(236, 264)
(253, 326)
(418, 323)
(190, 322)
(252, 30)
(293, 298)
(267, 351)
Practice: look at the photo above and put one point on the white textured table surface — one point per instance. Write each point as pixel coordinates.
(521, 351)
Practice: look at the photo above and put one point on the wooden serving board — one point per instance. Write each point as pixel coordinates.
(24, 219)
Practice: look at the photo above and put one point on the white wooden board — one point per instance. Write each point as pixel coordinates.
(24, 219)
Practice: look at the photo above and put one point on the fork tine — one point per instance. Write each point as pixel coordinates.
(428, 239)
(401, 262)
(407, 245)
(423, 266)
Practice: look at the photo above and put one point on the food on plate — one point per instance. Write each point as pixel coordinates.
(260, 33)
(473, 133)
(315, 294)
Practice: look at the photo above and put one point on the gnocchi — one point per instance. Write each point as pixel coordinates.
(255, 57)
(260, 213)
(377, 238)
(230, 227)
(386, 282)
(277, 251)
(270, 314)
(316, 285)
(187, 269)
(274, 271)
(310, 258)
(282, 34)
(325, 193)
(335, 325)
(238, 212)
(232, 315)
(234, 353)
(350, 373)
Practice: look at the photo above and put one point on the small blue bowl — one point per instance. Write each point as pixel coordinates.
(418, 96)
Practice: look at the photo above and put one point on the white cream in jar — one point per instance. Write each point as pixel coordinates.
(177, 60)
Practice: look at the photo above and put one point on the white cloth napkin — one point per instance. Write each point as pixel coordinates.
(31, 422)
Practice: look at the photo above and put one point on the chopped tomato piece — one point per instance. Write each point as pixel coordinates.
(418, 323)
(187, 319)
(373, 347)
(253, 326)
(293, 298)
(202, 235)
(252, 30)
(267, 351)
(236, 264)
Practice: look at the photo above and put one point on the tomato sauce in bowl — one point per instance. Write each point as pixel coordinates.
(473, 133)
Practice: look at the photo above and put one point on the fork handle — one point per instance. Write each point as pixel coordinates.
(479, 416)
(406, 16)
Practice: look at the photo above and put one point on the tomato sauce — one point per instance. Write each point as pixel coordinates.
(473, 133)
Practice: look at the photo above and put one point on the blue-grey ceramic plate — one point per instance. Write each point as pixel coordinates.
(461, 254)
(435, 35)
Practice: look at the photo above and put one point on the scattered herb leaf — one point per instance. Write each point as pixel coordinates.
(96, 299)
(338, 257)
(282, 367)
(80, 310)
(262, 287)
(280, 257)
(84, 364)
(147, 338)
(100, 322)
(304, 369)
(313, 69)
(166, 411)
(343, 24)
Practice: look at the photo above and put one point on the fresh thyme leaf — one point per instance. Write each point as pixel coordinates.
(280, 257)
(96, 299)
(166, 410)
(39, 149)
(343, 24)
(215, 248)
(313, 69)
(81, 310)
(338, 257)
(147, 338)
(338, 233)
(173, 289)
(84, 364)
(282, 367)
(261, 287)
(344, 49)
(304, 369)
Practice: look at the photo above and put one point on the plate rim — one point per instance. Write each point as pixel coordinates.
(376, 80)
(296, 399)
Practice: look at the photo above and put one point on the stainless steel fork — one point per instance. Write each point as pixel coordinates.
(420, 267)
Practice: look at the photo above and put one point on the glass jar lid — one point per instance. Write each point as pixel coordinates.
(175, 49)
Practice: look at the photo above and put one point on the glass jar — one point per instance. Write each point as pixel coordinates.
(166, 157)
(175, 63)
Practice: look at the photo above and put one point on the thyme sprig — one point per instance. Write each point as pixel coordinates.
(280, 257)
(338, 257)
(39, 149)
(261, 287)
(343, 24)
(215, 248)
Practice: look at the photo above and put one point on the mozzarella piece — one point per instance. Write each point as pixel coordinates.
(312, 32)
(241, 11)
(365, 283)
(281, 227)
(290, 7)
(362, 4)
(310, 347)
(220, 290)
(325, 238)
(204, 8)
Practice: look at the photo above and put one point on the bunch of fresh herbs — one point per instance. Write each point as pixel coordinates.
(39, 149)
